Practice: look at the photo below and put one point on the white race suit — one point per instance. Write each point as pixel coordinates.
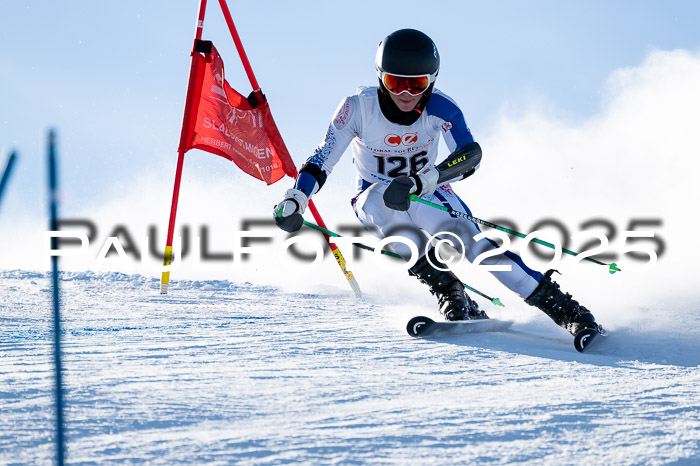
(383, 150)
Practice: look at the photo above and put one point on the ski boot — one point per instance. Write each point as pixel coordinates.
(452, 299)
(563, 310)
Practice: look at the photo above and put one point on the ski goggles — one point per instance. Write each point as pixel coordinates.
(398, 84)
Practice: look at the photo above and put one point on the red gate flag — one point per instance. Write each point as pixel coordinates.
(220, 120)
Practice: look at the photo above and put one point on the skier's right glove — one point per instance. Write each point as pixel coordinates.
(397, 195)
(288, 213)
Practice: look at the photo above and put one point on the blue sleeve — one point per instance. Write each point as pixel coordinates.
(307, 183)
(454, 126)
(310, 179)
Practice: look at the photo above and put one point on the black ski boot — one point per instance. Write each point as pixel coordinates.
(452, 299)
(564, 311)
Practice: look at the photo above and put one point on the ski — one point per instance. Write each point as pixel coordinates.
(421, 327)
(585, 338)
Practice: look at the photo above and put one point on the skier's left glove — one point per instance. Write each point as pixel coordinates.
(288, 213)
(398, 194)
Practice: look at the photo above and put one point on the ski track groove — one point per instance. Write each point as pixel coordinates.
(220, 372)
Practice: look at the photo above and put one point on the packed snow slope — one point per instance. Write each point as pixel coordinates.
(225, 372)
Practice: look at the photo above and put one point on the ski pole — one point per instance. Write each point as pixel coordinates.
(7, 171)
(58, 366)
(612, 268)
(357, 245)
(495, 301)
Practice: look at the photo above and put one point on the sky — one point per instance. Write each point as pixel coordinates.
(542, 84)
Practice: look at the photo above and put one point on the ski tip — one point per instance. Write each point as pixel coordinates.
(417, 324)
(584, 338)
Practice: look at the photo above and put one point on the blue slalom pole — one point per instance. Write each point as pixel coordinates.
(53, 226)
(6, 173)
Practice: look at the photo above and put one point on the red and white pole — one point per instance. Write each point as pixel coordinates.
(186, 123)
(256, 88)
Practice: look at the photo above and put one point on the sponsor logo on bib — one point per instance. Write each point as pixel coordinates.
(407, 139)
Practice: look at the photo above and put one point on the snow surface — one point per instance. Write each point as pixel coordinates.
(226, 372)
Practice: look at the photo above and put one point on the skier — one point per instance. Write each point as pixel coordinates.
(394, 130)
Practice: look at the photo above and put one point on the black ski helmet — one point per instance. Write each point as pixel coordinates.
(407, 52)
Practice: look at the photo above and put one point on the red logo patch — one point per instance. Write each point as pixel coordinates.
(392, 140)
(407, 139)
(342, 116)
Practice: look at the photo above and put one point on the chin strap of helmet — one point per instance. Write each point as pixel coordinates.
(392, 113)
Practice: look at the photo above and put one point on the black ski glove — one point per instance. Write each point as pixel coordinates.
(398, 194)
(288, 213)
